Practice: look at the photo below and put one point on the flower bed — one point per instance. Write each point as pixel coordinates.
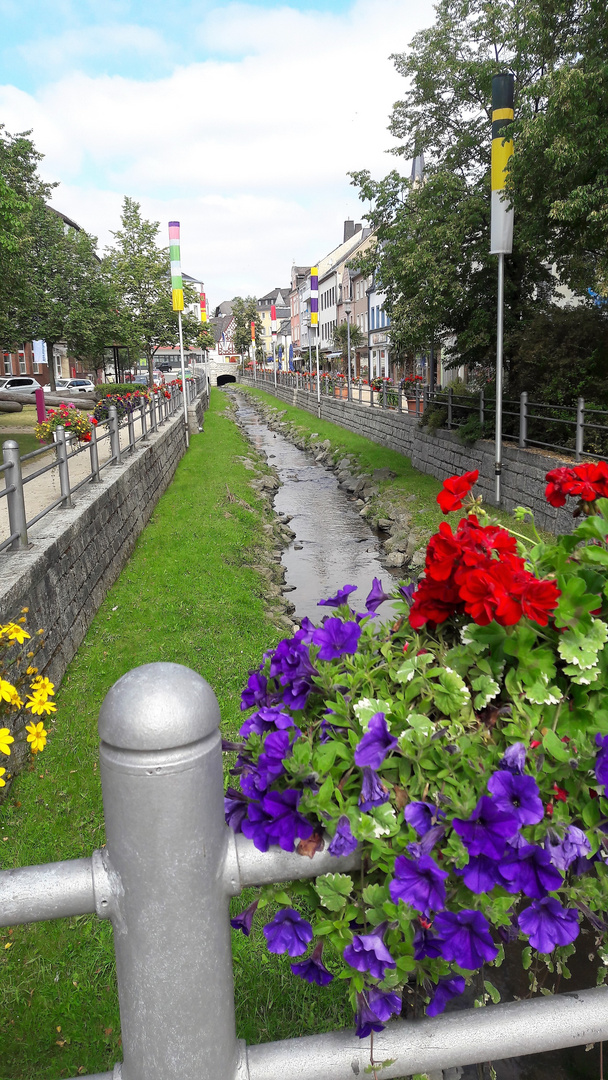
(462, 748)
(23, 693)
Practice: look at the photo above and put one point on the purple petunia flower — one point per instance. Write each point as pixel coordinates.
(465, 938)
(235, 808)
(373, 791)
(286, 822)
(253, 783)
(601, 761)
(514, 758)
(313, 969)
(573, 847)
(288, 932)
(407, 592)
(445, 991)
(243, 921)
(426, 944)
(480, 874)
(375, 744)
(255, 826)
(487, 829)
(341, 597)
(376, 596)
(548, 924)
(336, 638)
(343, 841)
(277, 747)
(291, 661)
(297, 693)
(529, 870)
(427, 843)
(266, 720)
(418, 883)
(367, 952)
(304, 634)
(422, 816)
(373, 1007)
(255, 693)
(517, 795)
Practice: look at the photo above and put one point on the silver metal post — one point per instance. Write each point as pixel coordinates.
(144, 423)
(153, 413)
(161, 775)
(114, 435)
(499, 337)
(417, 392)
(482, 402)
(450, 407)
(274, 359)
(383, 394)
(400, 399)
(523, 420)
(348, 385)
(131, 428)
(94, 452)
(580, 427)
(64, 471)
(17, 521)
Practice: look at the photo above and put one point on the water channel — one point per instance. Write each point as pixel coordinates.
(335, 546)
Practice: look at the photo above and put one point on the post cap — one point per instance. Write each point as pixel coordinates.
(158, 707)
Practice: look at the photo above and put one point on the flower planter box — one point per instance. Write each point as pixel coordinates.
(411, 406)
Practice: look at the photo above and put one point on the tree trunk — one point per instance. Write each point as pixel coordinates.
(51, 364)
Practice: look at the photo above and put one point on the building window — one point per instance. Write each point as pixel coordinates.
(7, 364)
(22, 367)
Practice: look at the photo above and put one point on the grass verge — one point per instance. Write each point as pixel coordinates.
(189, 595)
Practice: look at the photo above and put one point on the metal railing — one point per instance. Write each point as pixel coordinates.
(578, 430)
(137, 425)
(164, 880)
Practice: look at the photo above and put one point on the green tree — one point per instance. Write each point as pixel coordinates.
(245, 311)
(432, 254)
(139, 273)
(340, 338)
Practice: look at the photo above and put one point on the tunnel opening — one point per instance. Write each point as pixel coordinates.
(223, 379)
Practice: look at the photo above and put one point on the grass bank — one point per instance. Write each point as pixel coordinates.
(189, 595)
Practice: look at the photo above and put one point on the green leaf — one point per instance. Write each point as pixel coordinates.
(492, 991)
(526, 957)
(555, 747)
(333, 890)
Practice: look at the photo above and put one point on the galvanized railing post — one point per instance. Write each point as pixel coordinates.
(384, 395)
(400, 399)
(144, 422)
(64, 470)
(94, 452)
(417, 400)
(360, 393)
(450, 406)
(153, 422)
(17, 521)
(482, 406)
(131, 427)
(114, 435)
(425, 398)
(161, 775)
(523, 420)
(580, 427)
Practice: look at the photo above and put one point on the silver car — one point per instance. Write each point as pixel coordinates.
(19, 384)
(72, 386)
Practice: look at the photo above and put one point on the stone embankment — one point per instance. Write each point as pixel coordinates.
(389, 512)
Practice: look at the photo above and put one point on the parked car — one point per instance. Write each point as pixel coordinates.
(19, 384)
(72, 386)
(164, 365)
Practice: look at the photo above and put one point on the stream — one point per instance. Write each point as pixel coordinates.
(335, 546)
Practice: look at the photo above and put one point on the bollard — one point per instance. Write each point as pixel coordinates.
(161, 774)
(64, 470)
(17, 520)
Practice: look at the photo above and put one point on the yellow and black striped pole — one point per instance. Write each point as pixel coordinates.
(501, 229)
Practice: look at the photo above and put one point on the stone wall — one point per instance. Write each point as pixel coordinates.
(75, 555)
(441, 454)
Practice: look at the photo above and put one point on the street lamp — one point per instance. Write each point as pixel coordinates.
(347, 312)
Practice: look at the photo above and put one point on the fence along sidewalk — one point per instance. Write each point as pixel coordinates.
(164, 880)
(35, 484)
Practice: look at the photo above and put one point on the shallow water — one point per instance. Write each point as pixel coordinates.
(333, 546)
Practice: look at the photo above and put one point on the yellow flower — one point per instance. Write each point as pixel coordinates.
(43, 687)
(37, 736)
(5, 739)
(7, 690)
(32, 670)
(2, 782)
(15, 633)
(40, 705)
(24, 610)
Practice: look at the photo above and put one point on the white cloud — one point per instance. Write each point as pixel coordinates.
(74, 47)
(249, 151)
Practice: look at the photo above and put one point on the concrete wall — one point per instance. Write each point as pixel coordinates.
(75, 555)
(441, 454)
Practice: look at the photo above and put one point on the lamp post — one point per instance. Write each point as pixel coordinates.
(347, 312)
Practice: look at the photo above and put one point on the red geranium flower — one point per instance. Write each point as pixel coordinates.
(455, 488)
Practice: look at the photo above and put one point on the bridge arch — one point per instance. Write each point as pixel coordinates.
(223, 379)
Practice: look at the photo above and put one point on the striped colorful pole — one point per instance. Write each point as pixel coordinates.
(253, 349)
(314, 321)
(203, 308)
(177, 295)
(501, 232)
(273, 331)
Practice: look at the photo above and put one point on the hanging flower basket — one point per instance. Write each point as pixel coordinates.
(75, 422)
(460, 748)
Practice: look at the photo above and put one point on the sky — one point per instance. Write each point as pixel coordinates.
(240, 120)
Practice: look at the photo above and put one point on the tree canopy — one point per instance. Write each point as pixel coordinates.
(245, 311)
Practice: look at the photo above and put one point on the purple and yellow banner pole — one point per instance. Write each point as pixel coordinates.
(177, 296)
(273, 331)
(501, 231)
(203, 300)
(253, 349)
(314, 321)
